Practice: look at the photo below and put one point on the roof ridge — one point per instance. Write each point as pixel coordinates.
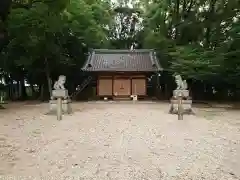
(104, 60)
(122, 50)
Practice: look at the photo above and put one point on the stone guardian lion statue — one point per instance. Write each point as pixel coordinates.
(59, 84)
(181, 84)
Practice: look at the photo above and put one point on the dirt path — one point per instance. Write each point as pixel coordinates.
(121, 141)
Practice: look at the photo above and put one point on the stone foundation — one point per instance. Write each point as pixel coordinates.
(59, 93)
(185, 93)
(66, 106)
(186, 105)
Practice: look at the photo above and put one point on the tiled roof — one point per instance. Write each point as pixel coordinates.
(144, 60)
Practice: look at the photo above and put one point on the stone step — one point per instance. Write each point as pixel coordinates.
(122, 98)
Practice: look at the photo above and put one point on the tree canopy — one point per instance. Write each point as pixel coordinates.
(199, 39)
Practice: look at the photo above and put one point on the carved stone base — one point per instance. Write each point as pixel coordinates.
(186, 104)
(66, 106)
(59, 93)
(185, 93)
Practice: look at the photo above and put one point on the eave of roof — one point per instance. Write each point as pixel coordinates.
(152, 54)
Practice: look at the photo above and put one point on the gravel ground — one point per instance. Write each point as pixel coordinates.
(121, 141)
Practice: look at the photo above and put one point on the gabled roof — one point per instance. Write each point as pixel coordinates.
(141, 60)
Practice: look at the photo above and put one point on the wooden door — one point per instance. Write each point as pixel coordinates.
(122, 87)
(105, 87)
(139, 87)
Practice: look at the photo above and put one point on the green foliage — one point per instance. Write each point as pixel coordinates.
(198, 39)
(41, 34)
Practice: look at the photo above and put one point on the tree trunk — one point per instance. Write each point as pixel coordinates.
(33, 91)
(177, 18)
(10, 90)
(19, 90)
(41, 89)
(49, 81)
(209, 21)
(23, 95)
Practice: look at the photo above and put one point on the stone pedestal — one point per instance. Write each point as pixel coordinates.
(186, 102)
(186, 105)
(60, 93)
(66, 106)
(66, 102)
(185, 93)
